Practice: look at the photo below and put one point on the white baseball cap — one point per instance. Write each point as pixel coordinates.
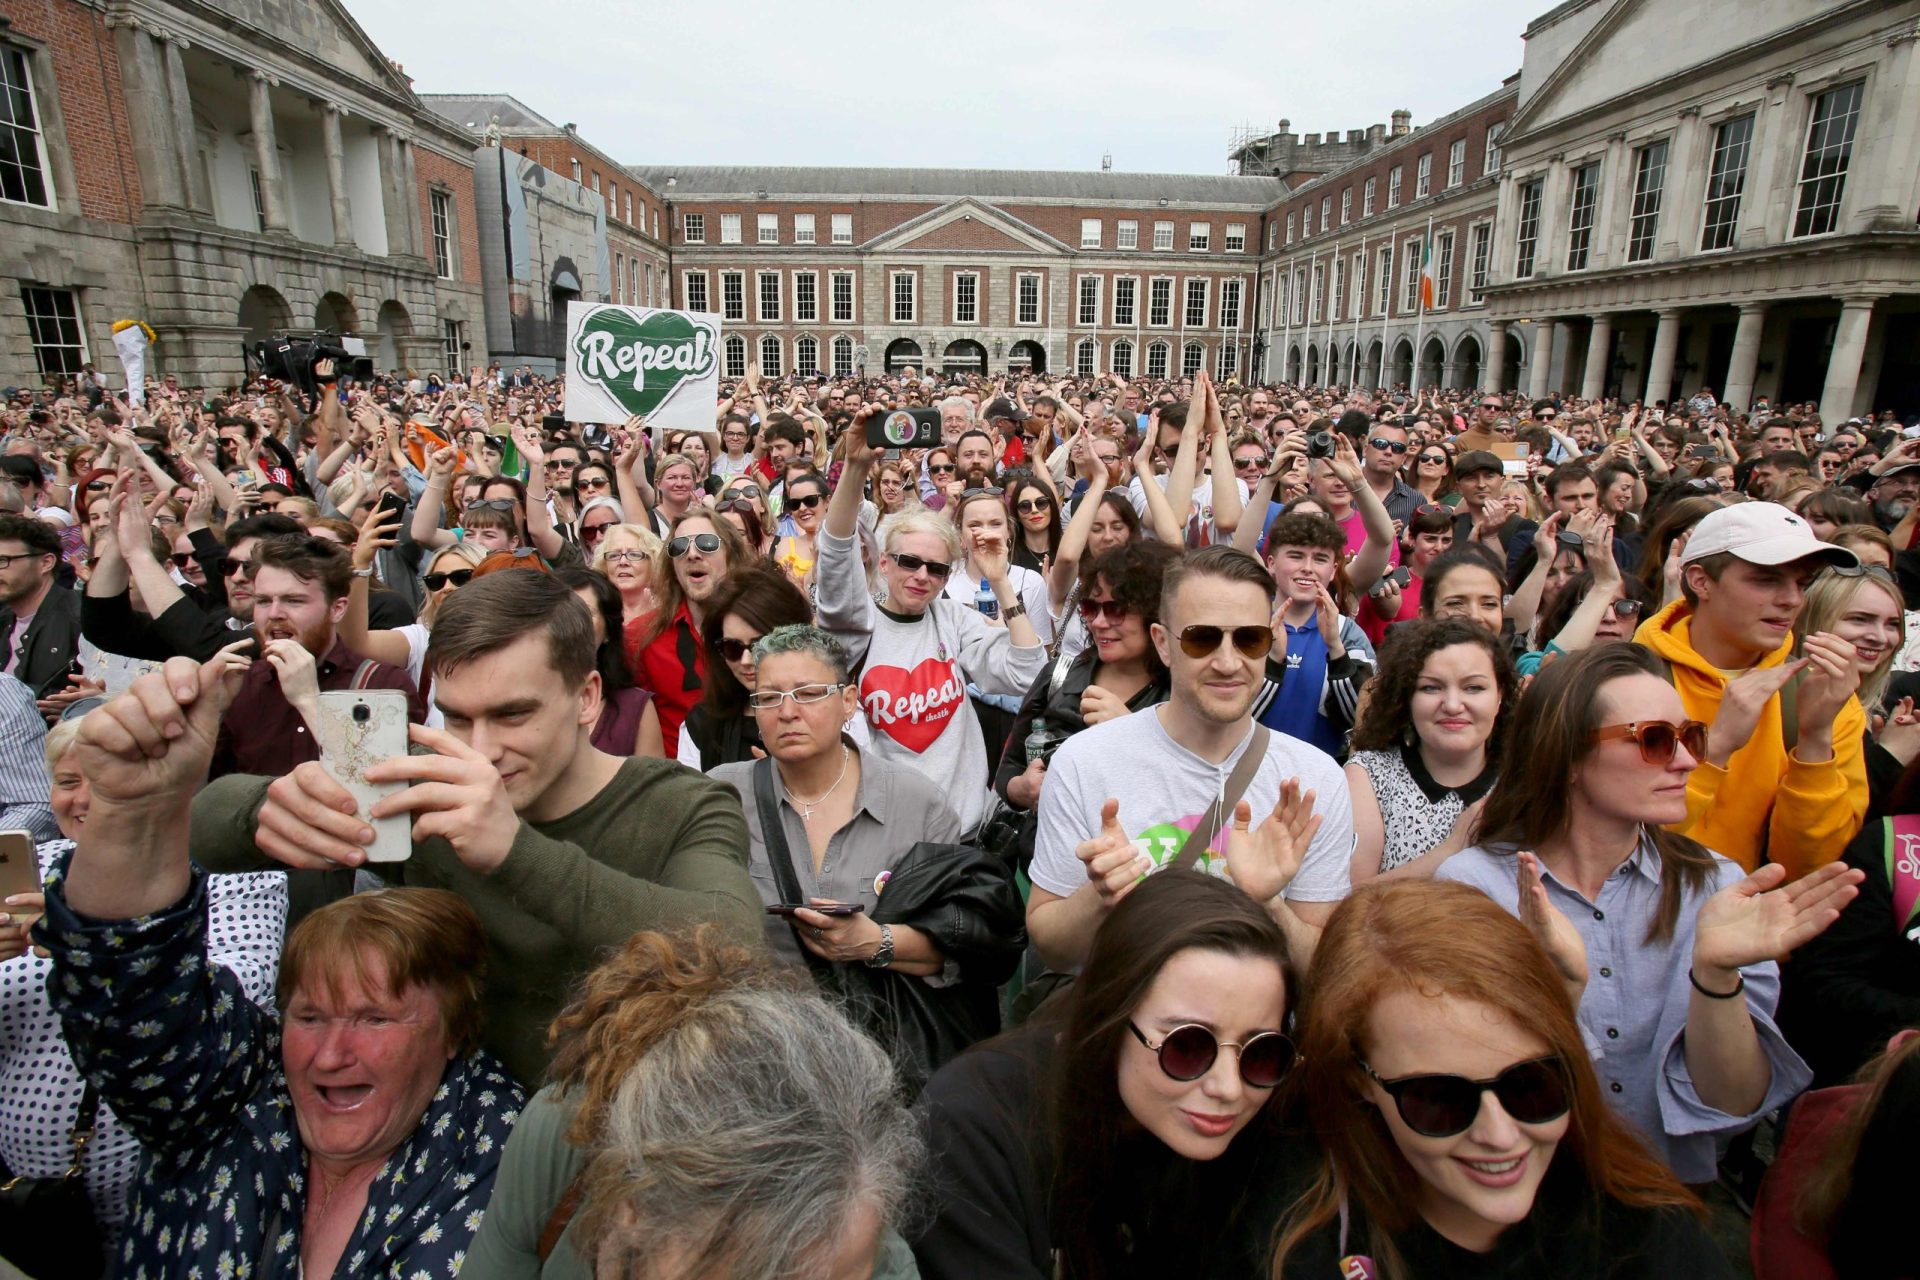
(1761, 533)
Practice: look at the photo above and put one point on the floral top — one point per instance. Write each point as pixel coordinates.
(193, 1069)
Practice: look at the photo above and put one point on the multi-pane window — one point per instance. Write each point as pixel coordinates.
(1726, 182)
(1236, 241)
(806, 356)
(1319, 292)
(452, 339)
(1273, 234)
(696, 289)
(906, 308)
(1163, 235)
(442, 212)
(806, 298)
(802, 234)
(1087, 312)
(733, 295)
(1157, 360)
(693, 228)
(613, 199)
(23, 150)
(1457, 163)
(1229, 304)
(1089, 233)
(1277, 300)
(1480, 242)
(1126, 291)
(1086, 357)
(1823, 171)
(1366, 197)
(769, 228)
(1443, 269)
(1122, 358)
(619, 278)
(1338, 292)
(1160, 302)
(629, 208)
(770, 365)
(1196, 310)
(1649, 183)
(1346, 206)
(596, 182)
(843, 357)
(1423, 176)
(843, 228)
(1228, 361)
(1383, 280)
(1393, 187)
(1527, 234)
(1193, 358)
(729, 228)
(1586, 194)
(574, 168)
(736, 349)
(842, 285)
(1300, 296)
(1411, 266)
(1289, 228)
(1127, 234)
(656, 224)
(966, 298)
(1199, 236)
(53, 327)
(259, 199)
(650, 300)
(1326, 212)
(1026, 300)
(1359, 286)
(770, 297)
(1490, 163)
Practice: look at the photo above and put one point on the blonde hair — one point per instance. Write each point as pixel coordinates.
(1832, 594)
(645, 540)
(467, 551)
(903, 523)
(60, 741)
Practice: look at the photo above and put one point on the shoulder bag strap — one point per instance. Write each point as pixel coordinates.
(1903, 867)
(562, 1215)
(1220, 812)
(363, 673)
(773, 838)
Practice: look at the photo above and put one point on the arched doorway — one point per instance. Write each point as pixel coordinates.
(1433, 362)
(1333, 364)
(563, 286)
(1373, 363)
(1313, 365)
(1400, 371)
(1510, 362)
(1028, 357)
(264, 312)
(964, 356)
(901, 353)
(336, 314)
(1466, 363)
(395, 327)
(1293, 365)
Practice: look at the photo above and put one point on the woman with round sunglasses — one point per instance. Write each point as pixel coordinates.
(663, 648)
(1462, 1131)
(1676, 947)
(629, 724)
(1133, 1128)
(1035, 513)
(802, 509)
(721, 729)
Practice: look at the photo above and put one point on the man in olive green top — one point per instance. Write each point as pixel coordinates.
(563, 850)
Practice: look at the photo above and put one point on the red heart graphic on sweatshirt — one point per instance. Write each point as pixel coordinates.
(913, 707)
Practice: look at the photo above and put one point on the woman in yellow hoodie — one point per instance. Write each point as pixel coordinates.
(1784, 778)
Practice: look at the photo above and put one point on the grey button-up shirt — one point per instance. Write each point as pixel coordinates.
(895, 808)
(1634, 1011)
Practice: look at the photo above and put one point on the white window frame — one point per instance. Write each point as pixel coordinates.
(1199, 237)
(693, 228)
(440, 215)
(803, 229)
(1126, 234)
(807, 366)
(1231, 287)
(1235, 240)
(687, 279)
(1289, 228)
(1089, 233)
(1357, 285)
(74, 325)
(733, 356)
(1273, 234)
(913, 296)
(1394, 176)
(1086, 357)
(809, 314)
(1650, 161)
(453, 333)
(1020, 283)
(740, 278)
(729, 228)
(1479, 261)
(1383, 281)
(1583, 211)
(1086, 305)
(765, 314)
(1163, 237)
(776, 367)
(1367, 192)
(1159, 353)
(1423, 176)
(1733, 201)
(1410, 271)
(1188, 365)
(1821, 195)
(1326, 212)
(1186, 302)
(1456, 163)
(1346, 206)
(21, 58)
(841, 369)
(1526, 246)
(1226, 360)
(1443, 242)
(842, 227)
(1120, 357)
(1490, 161)
(1133, 301)
(1317, 294)
(1154, 284)
(853, 298)
(972, 278)
(767, 228)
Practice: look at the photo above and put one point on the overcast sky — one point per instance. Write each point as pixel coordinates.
(1017, 84)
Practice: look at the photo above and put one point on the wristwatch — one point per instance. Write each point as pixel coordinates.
(883, 957)
(1015, 610)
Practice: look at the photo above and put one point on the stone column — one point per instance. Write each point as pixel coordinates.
(410, 203)
(1599, 348)
(150, 115)
(193, 182)
(1550, 258)
(390, 200)
(1563, 350)
(1666, 340)
(1843, 366)
(1609, 239)
(1496, 361)
(266, 152)
(1540, 359)
(336, 174)
(1746, 356)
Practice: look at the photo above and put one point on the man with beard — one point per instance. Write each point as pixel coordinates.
(974, 453)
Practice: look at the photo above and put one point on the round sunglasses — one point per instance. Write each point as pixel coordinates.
(1657, 739)
(1189, 1051)
(1441, 1106)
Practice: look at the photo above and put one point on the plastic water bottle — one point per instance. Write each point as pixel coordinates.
(985, 601)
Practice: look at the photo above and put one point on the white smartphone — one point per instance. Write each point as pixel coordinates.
(358, 728)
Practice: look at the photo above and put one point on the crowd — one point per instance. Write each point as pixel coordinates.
(1247, 830)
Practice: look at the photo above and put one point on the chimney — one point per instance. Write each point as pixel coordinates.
(1286, 131)
(1402, 122)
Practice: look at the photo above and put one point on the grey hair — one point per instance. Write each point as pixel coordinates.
(748, 1137)
(796, 637)
(920, 520)
(610, 503)
(960, 401)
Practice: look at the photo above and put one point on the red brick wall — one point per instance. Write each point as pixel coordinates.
(558, 154)
(86, 70)
(1406, 156)
(456, 176)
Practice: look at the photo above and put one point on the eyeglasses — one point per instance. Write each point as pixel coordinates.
(941, 468)
(181, 559)
(770, 699)
(1440, 1106)
(734, 650)
(230, 566)
(807, 503)
(593, 482)
(99, 486)
(1627, 608)
(983, 491)
(745, 490)
(1433, 457)
(1027, 506)
(1658, 739)
(627, 555)
(704, 542)
(1250, 464)
(560, 464)
(458, 577)
(1203, 641)
(1398, 446)
(1874, 571)
(1188, 1052)
(913, 564)
(1092, 610)
(493, 504)
(594, 532)
(5, 561)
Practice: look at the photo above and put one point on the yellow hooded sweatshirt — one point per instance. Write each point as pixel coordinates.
(1766, 805)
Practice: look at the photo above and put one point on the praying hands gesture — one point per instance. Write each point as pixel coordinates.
(1550, 927)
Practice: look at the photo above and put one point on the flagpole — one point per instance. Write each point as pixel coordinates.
(1359, 305)
(1286, 319)
(1420, 326)
(1386, 312)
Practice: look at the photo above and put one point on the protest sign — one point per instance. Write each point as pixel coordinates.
(663, 365)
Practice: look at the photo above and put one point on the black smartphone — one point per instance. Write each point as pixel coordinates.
(824, 908)
(392, 505)
(553, 422)
(1571, 540)
(904, 429)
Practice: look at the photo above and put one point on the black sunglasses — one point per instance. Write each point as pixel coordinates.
(1203, 640)
(941, 468)
(1090, 610)
(1658, 739)
(1188, 1052)
(1440, 1106)
(588, 532)
(230, 566)
(913, 564)
(705, 542)
(1379, 442)
(749, 490)
(807, 503)
(1627, 608)
(1433, 457)
(181, 559)
(99, 486)
(458, 577)
(733, 650)
(493, 504)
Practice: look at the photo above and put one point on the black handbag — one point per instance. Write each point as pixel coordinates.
(47, 1227)
(964, 900)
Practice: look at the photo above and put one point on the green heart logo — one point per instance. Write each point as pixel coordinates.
(641, 361)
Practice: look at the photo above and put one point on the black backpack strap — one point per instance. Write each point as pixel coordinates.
(773, 838)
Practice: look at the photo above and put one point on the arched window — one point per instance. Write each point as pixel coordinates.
(806, 356)
(1157, 353)
(1086, 357)
(770, 366)
(1229, 361)
(1122, 358)
(843, 357)
(1193, 358)
(736, 356)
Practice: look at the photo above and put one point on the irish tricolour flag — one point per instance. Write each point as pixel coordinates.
(1427, 285)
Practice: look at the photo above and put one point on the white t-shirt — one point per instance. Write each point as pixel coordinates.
(963, 589)
(1164, 790)
(416, 637)
(1200, 529)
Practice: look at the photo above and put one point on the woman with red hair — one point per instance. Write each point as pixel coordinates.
(1461, 1127)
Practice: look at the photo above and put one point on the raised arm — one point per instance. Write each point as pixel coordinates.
(1372, 559)
(1226, 486)
(540, 531)
(426, 528)
(1160, 518)
(1186, 466)
(1065, 569)
(389, 647)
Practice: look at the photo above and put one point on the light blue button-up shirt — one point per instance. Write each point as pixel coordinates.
(1634, 1011)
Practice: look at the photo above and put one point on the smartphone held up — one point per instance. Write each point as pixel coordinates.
(358, 728)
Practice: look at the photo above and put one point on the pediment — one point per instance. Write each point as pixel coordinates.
(967, 224)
